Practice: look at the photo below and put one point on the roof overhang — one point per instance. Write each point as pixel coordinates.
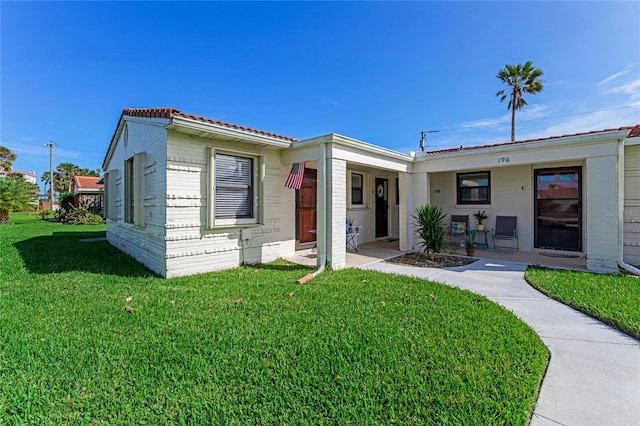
(535, 144)
(212, 131)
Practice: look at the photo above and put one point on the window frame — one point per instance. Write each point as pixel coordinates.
(459, 188)
(134, 189)
(129, 190)
(362, 187)
(256, 188)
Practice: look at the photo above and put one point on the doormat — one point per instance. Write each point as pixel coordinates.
(390, 240)
(563, 255)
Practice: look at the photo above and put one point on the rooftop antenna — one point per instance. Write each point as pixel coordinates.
(423, 137)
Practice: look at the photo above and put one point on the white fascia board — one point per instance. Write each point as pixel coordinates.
(567, 142)
(632, 141)
(370, 148)
(355, 146)
(215, 129)
(358, 156)
(299, 154)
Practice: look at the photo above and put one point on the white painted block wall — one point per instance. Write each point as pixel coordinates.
(508, 198)
(190, 246)
(146, 244)
(337, 207)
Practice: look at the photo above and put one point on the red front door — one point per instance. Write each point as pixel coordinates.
(306, 209)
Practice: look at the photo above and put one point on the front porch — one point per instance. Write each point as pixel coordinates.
(381, 249)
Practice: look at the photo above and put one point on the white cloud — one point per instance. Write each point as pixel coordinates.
(626, 70)
(631, 88)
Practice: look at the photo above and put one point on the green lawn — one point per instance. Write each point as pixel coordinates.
(613, 299)
(246, 346)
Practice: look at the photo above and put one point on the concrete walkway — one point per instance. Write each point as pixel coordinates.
(594, 373)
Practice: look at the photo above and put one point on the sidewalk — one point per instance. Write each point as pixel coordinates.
(594, 372)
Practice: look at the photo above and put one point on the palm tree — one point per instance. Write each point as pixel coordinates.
(6, 158)
(520, 79)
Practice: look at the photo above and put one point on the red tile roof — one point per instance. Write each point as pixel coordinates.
(87, 182)
(172, 112)
(634, 131)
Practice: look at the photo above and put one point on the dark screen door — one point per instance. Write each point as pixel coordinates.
(559, 208)
(382, 207)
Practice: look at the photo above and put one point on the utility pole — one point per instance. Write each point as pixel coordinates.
(423, 137)
(50, 145)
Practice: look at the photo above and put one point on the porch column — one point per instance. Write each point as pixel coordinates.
(601, 207)
(406, 209)
(336, 182)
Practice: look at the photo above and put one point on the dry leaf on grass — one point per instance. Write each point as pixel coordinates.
(238, 301)
(128, 309)
(293, 293)
(128, 299)
(173, 302)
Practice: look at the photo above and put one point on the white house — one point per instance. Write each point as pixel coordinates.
(187, 194)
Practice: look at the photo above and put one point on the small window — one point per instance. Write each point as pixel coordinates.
(234, 187)
(357, 189)
(474, 188)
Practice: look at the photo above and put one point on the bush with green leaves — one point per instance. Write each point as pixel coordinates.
(430, 228)
(81, 216)
(43, 214)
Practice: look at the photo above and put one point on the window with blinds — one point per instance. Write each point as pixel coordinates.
(234, 187)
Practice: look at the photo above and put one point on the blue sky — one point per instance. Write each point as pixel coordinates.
(380, 72)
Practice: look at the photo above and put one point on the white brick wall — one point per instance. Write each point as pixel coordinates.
(337, 207)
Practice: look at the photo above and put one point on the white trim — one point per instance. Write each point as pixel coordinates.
(218, 130)
(365, 188)
(258, 189)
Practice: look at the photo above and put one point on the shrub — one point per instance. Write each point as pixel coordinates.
(43, 214)
(430, 229)
(81, 216)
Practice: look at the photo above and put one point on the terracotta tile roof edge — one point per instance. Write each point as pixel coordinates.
(87, 182)
(634, 131)
(172, 112)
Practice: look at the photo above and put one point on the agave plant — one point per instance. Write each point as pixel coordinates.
(430, 228)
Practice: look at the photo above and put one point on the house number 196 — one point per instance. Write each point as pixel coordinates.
(503, 160)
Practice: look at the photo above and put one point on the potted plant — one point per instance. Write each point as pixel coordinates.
(470, 246)
(480, 218)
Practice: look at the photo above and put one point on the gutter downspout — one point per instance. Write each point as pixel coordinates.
(322, 254)
(621, 262)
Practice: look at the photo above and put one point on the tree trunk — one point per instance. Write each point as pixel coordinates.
(4, 216)
(513, 119)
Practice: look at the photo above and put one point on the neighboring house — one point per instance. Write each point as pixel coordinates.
(187, 194)
(28, 176)
(88, 192)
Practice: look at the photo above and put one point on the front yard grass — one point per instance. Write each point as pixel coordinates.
(613, 299)
(248, 345)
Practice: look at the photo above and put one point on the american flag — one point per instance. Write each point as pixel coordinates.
(294, 181)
